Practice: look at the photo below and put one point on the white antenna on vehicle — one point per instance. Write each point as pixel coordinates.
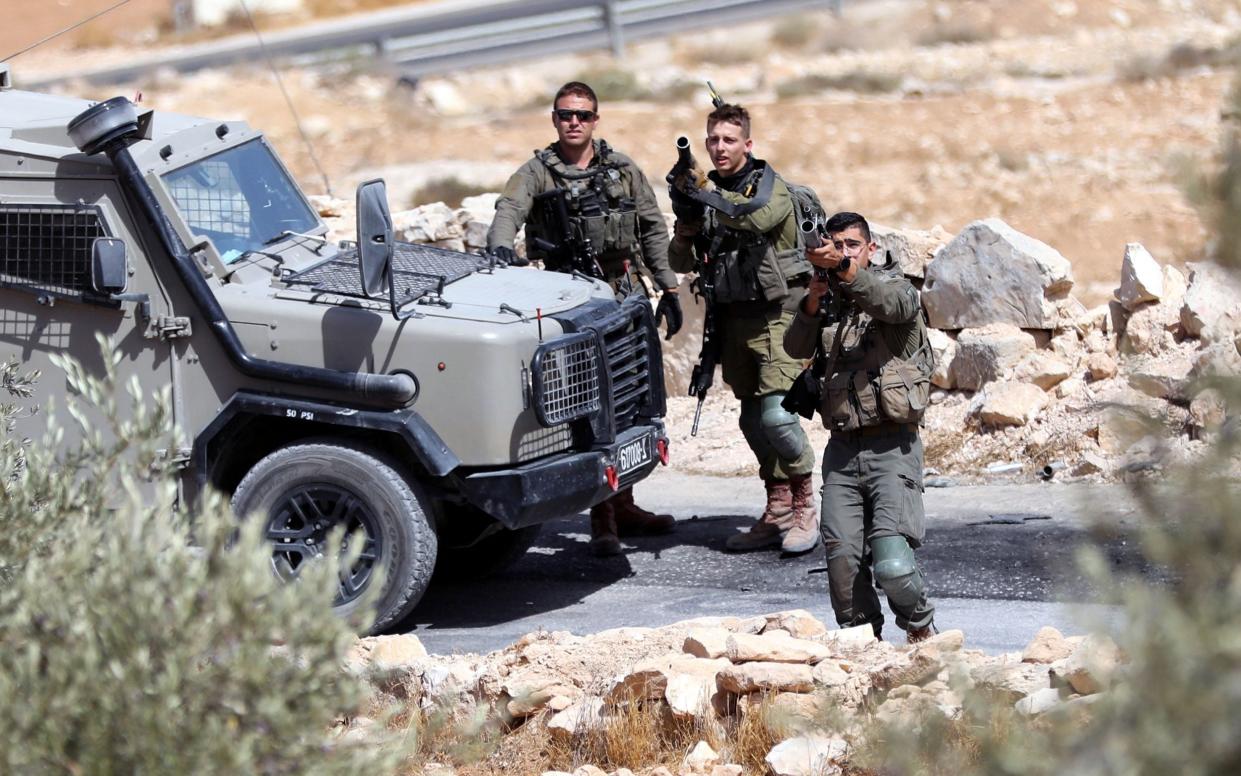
(310, 149)
(70, 28)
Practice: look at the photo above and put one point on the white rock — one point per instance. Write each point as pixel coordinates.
(1011, 404)
(743, 648)
(701, 757)
(1043, 369)
(1093, 665)
(766, 677)
(945, 349)
(857, 636)
(988, 353)
(1039, 702)
(1047, 646)
(829, 673)
(1165, 378)
(1212, 308)
(1101, 366)
(706, 642)
(799, 623)
(911, 249)
(812, 754)
(427, 223)
(1141, 277)
(991, 273)
(583, 716)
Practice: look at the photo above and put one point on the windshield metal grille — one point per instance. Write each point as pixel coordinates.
(210, 198)
(48, 246)
(417, 271)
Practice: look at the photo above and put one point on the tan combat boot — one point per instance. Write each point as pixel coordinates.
(803, 535)
(603, 539)
(633, 520)
(770, 527)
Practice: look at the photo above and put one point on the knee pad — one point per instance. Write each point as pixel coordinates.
(896, 572)
(751, 422)
(782, 428)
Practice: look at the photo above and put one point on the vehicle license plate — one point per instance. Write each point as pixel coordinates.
(633, 455)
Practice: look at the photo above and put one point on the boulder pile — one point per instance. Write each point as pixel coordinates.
(1025, 374)
(822, 692)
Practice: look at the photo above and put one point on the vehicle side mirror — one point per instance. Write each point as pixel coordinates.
(109, 270)
(375, 245)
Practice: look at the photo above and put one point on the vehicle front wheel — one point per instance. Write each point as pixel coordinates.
(304, 491)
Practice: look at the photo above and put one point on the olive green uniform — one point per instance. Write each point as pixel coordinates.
(872, 399)
(759, 275)
(625, 224)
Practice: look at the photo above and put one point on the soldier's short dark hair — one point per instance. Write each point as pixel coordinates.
(843, 220)
(733, 114)
(579, 89)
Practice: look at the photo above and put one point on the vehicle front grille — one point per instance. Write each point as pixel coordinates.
(630, 364)
(627, 353)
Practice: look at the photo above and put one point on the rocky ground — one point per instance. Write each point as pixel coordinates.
(817, 693)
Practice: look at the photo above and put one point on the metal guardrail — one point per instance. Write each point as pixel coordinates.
(459, 34)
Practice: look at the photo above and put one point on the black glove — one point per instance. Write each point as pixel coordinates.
(509, 256)
(669, 309)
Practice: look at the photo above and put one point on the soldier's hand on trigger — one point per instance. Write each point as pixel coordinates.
(818, 289)
(825, 256)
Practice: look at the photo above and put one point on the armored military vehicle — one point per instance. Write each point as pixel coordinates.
(436, 404)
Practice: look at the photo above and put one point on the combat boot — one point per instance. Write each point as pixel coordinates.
(633, 520)
(603, 539)
(769, 529)
(915, 635)
(803, 534)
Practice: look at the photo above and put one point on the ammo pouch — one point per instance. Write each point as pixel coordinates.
(742, 275)
(904, 390)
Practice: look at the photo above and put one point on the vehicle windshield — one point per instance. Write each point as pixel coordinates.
(241, 198)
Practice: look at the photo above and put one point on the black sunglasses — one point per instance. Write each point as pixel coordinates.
(566, 115)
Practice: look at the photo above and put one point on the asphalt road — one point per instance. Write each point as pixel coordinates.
(998, 558)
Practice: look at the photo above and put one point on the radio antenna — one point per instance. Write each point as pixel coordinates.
(70, 28)
(310, 149)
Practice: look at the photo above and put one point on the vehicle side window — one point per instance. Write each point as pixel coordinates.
(48, 247)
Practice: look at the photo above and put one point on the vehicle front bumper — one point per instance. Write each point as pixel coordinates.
(559, 485)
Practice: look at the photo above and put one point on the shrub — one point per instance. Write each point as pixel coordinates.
(449, 190)
(794, 31)
(132, 641)
(612, 84)
(864, 82)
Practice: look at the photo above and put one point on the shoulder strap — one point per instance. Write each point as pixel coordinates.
(713, 199)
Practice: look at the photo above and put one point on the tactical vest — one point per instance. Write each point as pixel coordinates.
(746, 265)
(601, 209)
(868, 384)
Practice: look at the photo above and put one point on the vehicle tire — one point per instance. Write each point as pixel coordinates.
(463, 555)
(303, 491)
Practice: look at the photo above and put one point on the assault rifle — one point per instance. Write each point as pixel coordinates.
(709, 355)
(571, 252)
(813, 236)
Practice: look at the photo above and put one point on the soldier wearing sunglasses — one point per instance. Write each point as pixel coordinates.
(611, 209)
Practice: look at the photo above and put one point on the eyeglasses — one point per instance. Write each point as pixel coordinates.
(566, 115)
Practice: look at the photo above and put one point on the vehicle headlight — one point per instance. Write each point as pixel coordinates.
(566, 379)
